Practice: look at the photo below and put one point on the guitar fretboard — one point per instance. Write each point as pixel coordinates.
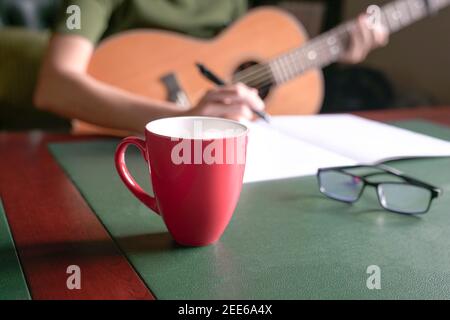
(330, 46)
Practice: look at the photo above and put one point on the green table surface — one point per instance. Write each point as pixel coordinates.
(12, 281)
(285, 240)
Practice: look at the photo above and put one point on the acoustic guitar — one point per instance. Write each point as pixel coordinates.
(267, 49)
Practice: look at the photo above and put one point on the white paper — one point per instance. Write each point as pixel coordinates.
(362, 140)
(273, 155)
(294, 146)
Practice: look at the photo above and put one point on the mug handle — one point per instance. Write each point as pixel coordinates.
(125, 175)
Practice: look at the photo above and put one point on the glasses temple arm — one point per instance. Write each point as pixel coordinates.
(436, 191)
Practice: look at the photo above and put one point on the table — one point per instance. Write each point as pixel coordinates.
(52, 234)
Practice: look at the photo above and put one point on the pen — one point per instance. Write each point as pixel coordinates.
(212, 77)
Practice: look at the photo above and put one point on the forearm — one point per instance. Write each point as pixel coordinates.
(82, 97)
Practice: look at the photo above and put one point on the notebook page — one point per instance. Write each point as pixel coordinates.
(272, 155)
(362, 140)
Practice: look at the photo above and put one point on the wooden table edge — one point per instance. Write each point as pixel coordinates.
(69, 234)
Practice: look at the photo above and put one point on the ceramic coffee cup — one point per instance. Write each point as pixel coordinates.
(196, 169)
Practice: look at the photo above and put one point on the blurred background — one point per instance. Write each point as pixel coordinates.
(413, 70)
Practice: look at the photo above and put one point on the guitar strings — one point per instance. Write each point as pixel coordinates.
(259, 76)
(318, 45)
(263, 75)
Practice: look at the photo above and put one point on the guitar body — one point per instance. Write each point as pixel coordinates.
(137, 60)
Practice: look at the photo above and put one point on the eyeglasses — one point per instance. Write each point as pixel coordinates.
(407, 196)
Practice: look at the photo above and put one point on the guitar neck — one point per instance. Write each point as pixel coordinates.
(330, 46)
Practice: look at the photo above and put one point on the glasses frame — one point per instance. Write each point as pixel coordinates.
(407, 180)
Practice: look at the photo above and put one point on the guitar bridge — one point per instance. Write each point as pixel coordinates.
(175, 92)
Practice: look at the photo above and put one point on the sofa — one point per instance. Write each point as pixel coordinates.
(24, 32)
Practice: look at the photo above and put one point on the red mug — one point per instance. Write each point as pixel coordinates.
(196, 169)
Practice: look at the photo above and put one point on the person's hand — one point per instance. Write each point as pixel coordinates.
(231, 102)
(364, 37)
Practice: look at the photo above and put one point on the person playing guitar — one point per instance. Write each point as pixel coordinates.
(65, 86)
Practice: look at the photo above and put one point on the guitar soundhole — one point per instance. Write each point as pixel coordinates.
(260, 78)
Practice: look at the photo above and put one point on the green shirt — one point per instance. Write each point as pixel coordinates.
(199, 18)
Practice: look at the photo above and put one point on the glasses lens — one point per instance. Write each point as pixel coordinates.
(340, 186)
(404, 198)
